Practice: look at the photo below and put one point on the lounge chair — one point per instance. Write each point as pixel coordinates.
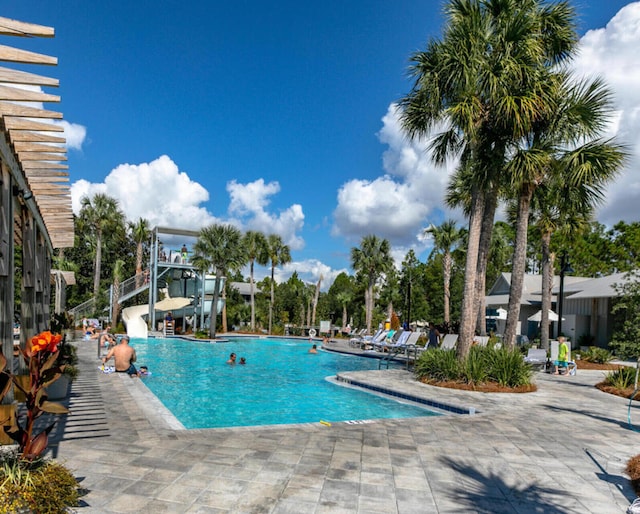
(449, 341)
(481, 340)
(537, 357)
(380, 336)
(393, 337)
(357, 338)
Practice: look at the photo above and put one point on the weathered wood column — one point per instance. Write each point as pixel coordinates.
(6, 269)
(6, 262)
(28, 292)
(41, 283)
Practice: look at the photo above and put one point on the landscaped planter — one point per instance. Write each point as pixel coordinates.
(59, 389)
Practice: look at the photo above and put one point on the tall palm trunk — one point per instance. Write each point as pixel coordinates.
(271, 302)
(213, 312)
(490, 205)
(547, 286)
(369, 306)
(446, 266)
(253, 298)
(469, 309)
(115, 311)
(315, 301)
(344, 316)
(98, 264)
(519, 265)
(139, 255)
(224, 309)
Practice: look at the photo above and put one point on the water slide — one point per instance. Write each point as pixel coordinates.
(132, 317)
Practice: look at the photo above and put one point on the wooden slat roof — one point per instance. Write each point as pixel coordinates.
(29, 131)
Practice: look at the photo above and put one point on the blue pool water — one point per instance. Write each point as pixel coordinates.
(280, 384)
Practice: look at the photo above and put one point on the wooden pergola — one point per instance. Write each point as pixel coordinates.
(35, 197)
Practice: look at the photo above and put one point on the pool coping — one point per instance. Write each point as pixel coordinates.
(439, 405)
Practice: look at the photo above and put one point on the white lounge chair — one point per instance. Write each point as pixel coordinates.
(537, 357)
(398, 338)
(380, 336)
(449, 341)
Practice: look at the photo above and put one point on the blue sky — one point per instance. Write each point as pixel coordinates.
(277, 116)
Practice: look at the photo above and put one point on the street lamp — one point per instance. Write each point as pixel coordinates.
(565, 267)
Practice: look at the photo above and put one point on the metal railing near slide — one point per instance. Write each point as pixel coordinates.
(133, 285)
(84, 310)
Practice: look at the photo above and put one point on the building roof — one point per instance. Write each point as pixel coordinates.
(574, 288)
(244, 288)
(601, 287)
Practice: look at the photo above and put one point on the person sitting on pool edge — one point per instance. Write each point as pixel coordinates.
(232, 359)
(124, 357)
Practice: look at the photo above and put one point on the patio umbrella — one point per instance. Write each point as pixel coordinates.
(538, 316)
(172, 304)
(500, 314)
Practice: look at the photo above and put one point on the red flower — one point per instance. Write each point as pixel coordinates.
(45, 341)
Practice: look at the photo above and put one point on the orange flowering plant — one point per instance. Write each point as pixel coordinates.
(41, 356)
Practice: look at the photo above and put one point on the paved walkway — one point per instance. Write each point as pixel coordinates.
(560, 450)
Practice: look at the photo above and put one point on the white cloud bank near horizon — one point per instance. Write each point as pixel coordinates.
(398, 204)
(166, 196)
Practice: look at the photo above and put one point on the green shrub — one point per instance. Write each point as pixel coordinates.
(474, 368)
(42, 486)
(508, 368)
(622, 378)
(440, 365)
(595, 354)
(483, 364)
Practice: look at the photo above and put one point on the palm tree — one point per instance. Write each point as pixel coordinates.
(482, 83)
(279, 254)
(218, 247)
(344, 298)
(118, 271)
(446, 238)
(371, 260)
(316, 295)
(563, 143)
(101, 216)
(255, 244)
(140, 232)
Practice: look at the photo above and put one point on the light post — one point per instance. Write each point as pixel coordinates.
(565, 267)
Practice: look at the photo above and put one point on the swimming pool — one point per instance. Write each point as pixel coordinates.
(280, 384)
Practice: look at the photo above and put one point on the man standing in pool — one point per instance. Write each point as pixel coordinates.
(232, 359)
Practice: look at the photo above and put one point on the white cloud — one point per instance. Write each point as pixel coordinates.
(310, 271)
(395, 206)
(166, 196)
(74, 133)
(157, 191)
(250, 201)
(611, 53)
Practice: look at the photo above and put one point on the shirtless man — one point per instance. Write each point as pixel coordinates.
(124, 356)
(106, 339)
